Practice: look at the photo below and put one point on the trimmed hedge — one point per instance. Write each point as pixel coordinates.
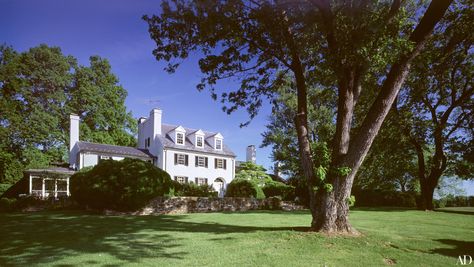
(376, 198)
(454, 201)
(279, 189)
(124, 185)
(192, 190)
(244, 188)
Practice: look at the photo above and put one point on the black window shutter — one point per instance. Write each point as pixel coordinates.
(225, 164)
(186, 179)
(196, 180)
(206, 161)
(215, 163)
(175, 158)
(196, 161)
(186, 160)
(206, 181)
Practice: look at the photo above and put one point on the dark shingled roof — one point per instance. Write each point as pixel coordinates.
(167, 142)
(54, 170)
(124, 151)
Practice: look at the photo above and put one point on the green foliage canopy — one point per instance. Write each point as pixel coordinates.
(39, 89)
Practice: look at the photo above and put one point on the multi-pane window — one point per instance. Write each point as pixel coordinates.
(220, 163)
(201, 181)
(199, 141)
(181, 179)
(201, 161)
(180, 159)
(218, 144)
(180, 138)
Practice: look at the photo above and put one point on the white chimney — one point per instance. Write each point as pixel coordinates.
(73, 138)
(251, 154)
(155, 117)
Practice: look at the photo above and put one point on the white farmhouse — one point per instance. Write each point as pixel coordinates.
(188, 155)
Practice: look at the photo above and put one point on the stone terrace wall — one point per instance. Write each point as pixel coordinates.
(181, 205)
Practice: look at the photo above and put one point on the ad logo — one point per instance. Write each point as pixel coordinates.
(464, 260)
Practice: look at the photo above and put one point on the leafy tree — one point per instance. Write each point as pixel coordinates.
(281, 133)
(391, 163)
(254, 173)
(263, 42)
(39, 88)
(436, 106)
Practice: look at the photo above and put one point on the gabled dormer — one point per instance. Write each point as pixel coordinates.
(178, 135)
(197, 138)
(218, 141)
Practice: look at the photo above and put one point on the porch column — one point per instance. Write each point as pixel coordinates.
(31, 184)
(43, 188)
(55, 188)
(67, 186)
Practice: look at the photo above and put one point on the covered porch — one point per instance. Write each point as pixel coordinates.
(51, 182)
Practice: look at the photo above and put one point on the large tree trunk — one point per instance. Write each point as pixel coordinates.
(429, 183)
(427, 191)
(335, 207)
(333, 213)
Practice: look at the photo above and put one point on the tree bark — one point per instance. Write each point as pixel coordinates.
(351, 153)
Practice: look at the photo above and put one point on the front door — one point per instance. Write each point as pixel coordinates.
(218, 185)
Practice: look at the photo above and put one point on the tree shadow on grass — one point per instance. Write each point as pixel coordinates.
(465, 212)
(47, 237)
(458, 248)
(279, 212)
(384, 209)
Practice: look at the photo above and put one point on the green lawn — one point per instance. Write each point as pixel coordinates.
(390, 236)
(461, 210)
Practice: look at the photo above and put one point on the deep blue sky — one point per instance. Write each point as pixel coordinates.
(113, 29)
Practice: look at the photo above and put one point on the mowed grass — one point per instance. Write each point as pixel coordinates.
(265, 238)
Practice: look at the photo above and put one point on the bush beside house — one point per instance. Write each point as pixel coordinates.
(279, 189)
(244, 188)
(123, 185)
(191, 190)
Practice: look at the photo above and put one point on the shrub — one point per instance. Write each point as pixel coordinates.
(17, 189)
(244, 188)
(453, 201)
(273, 189)
(4, 188)
(128, 184)
(371, 198)
(301, 190)
(7, 204)
(192, 190)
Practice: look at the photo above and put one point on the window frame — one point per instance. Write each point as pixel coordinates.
(218, 141)
(201, 138)
(201, 161)
(182, 138)
(181, 159)
(177, 178)
(220, 163)
(201, 181)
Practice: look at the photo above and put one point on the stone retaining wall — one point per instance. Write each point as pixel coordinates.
(181, 205)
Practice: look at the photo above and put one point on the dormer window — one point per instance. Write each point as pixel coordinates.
(217, 140)
(200, 141)
(180, 138)
(218, 144)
